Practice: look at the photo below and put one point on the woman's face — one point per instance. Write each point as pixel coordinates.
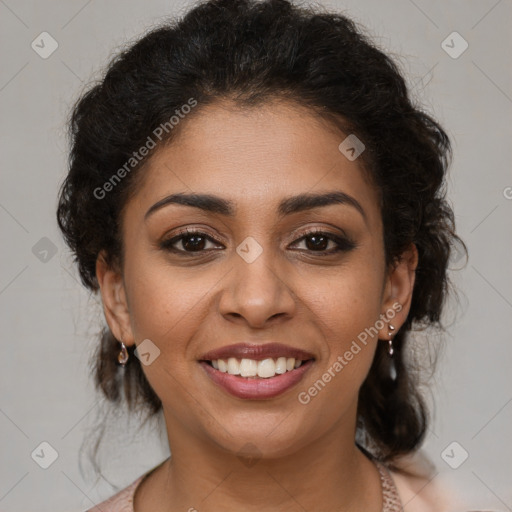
(253, 277)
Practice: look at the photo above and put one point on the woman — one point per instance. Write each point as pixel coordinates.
(261, 207)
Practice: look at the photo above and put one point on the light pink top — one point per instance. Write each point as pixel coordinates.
(122, 501)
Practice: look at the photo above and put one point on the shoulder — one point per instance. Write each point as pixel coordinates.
(421, 486)
(120, 502)
(123, 500)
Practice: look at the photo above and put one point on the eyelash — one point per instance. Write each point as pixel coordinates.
(342, 244)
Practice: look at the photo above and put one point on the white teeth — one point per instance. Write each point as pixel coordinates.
(281, 365)
(233, 366)
(264, 369)
(223, 367)
(248, 368)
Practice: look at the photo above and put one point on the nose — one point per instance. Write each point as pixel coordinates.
(257, 293)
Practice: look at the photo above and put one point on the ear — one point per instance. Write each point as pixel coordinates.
(113, 295)
(398, 288)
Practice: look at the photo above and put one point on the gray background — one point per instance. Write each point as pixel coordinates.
(49, 322)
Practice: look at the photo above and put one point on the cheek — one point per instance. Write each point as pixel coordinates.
(343, 313)
(348, 312)
(165, 307)
(164, 302)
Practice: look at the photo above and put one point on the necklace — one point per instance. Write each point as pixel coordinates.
(390, 500)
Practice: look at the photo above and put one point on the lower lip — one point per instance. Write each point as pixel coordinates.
(256, 388)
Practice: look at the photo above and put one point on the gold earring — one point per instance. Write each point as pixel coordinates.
(123, 356)
(392, 369)
(390, 342)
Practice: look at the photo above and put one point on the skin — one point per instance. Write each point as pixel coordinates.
(306, 458)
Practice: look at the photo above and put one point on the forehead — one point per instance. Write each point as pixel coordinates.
(254, 157)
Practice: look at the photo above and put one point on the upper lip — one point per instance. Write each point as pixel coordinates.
(256, 352)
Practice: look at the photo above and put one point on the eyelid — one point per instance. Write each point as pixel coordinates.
(297, 234)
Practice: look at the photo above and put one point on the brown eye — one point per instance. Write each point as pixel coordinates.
(318, 241)
(188, 242)
(193, 242)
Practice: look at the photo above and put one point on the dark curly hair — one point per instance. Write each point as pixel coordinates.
(249, 52)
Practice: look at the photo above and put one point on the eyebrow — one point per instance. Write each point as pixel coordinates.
(288, 206)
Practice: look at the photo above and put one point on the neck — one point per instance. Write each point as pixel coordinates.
(330, 473)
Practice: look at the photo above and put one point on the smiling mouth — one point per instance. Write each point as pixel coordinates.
(256, 369)
(257, 379)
